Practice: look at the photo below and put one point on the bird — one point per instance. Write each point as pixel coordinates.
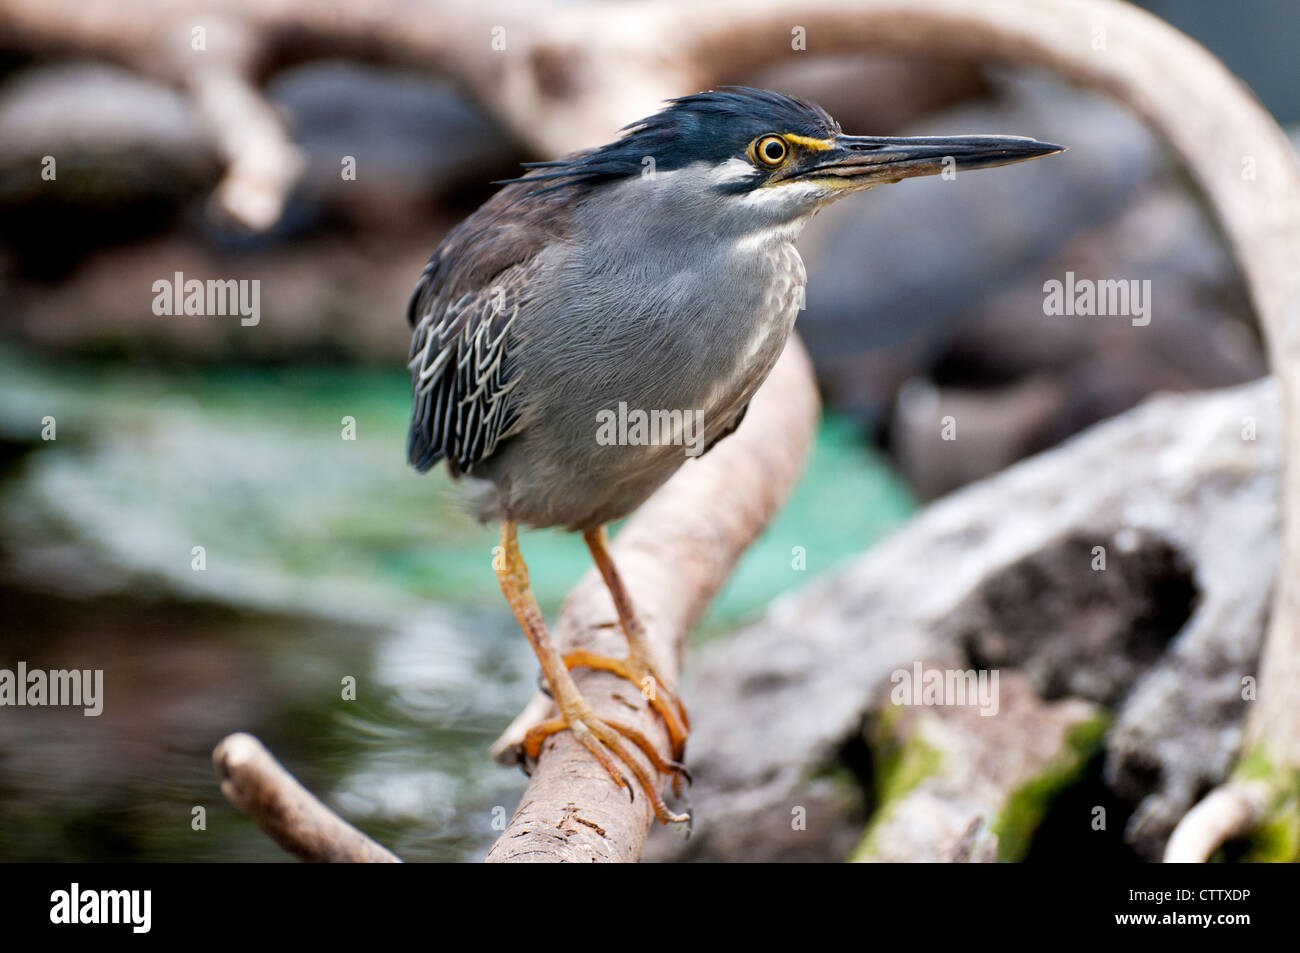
(654, 275)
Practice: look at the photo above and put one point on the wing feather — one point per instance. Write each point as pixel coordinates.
(464, 315)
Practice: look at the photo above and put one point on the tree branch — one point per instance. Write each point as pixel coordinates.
(257, 784)
(1232, 810)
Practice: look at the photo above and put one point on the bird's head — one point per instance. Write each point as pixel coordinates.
(761, 150)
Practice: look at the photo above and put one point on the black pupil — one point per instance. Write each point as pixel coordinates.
(773, 150)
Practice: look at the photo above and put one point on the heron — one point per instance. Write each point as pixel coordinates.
(658, 273)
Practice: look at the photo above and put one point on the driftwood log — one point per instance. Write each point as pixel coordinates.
(566, 76)
(1117, 584)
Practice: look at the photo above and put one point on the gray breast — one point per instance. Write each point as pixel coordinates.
(692, 344)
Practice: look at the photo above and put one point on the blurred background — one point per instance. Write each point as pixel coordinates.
(326, 557)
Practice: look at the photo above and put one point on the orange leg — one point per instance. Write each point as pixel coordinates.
(600, 737)
(639, 667)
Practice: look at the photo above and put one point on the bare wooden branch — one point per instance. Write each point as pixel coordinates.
(257, 784)
(674, 555)
(262, 164)
(1226, 812)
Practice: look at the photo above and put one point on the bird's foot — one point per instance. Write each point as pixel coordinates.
(604, 739)
(642, 674)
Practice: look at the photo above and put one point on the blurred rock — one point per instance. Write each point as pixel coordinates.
(1016, 381)
(990, 429)
(79, 254)
(896, 269)
(416, 143)
(127, 154)
(327, 298)
(941, 283)
(116, 136)
(1180, 493)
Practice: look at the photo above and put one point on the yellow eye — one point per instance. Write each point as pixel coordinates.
(771, 151)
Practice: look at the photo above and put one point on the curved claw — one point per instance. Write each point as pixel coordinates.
(601, 738)
(608, 732)
(665, 702)
(661, 764)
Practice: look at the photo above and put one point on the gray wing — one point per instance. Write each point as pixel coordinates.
(461, 375)
(469, 299)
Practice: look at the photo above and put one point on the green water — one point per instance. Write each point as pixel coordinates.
(321, 558)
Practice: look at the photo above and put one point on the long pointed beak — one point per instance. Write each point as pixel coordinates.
(864, 161)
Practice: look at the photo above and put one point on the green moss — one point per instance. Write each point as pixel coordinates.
(1257, 765)
(1277, 840)
(906, 768)
(900, 765)
(1027, 806)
